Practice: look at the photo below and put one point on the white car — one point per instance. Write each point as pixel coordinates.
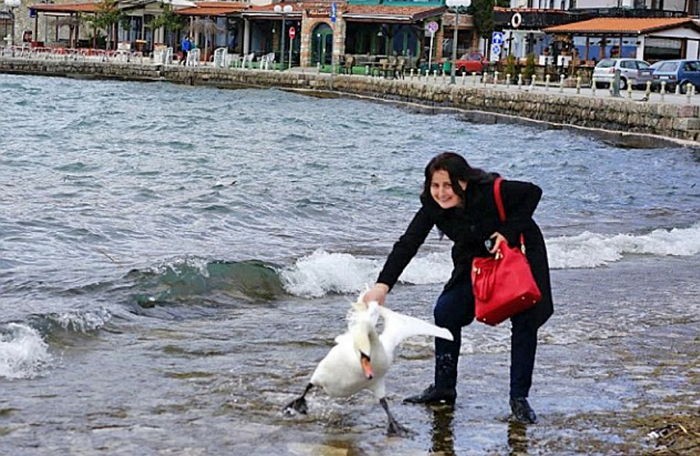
(632, 71)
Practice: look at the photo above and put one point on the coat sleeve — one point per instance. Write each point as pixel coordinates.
(406, 247)
(520, 200)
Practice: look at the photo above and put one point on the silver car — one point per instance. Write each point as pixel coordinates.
(632, 71)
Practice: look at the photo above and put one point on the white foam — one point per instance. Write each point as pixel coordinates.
(321, 272)
(84, 322)
(588, 250)
(23, 353)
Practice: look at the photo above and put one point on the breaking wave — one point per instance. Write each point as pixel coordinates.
(23, 352)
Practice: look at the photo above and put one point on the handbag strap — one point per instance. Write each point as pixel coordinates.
(499, 200)
(501, 209)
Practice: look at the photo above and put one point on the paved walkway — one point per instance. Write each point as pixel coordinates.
(553, 89)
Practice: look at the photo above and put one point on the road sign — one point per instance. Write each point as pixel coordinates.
(292, 32)
(497, 38)
(495, 53)
(432, 27)
(334, 12)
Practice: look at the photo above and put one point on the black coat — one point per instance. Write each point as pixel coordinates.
(469, 226)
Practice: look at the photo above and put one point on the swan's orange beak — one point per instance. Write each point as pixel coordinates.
(366, 366)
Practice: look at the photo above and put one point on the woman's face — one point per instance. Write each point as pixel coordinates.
(442, 192)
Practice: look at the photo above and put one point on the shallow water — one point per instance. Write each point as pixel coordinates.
(176, 260)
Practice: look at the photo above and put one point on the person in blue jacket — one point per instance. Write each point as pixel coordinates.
(185, 47)
(459, 201)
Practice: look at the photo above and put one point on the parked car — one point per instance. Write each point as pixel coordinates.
(676, 72)
(632, 71)
(471, 63)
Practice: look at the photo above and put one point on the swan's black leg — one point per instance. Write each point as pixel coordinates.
(299, 404)
(393, 427)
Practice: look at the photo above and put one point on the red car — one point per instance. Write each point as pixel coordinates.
(471, 63)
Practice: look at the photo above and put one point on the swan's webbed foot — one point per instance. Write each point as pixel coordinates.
(298, 405)
(393, 427)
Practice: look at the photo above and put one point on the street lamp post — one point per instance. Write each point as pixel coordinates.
(456, 7)
(284, 10)
(12, 4)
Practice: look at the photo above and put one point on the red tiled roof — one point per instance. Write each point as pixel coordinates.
(89, 7)
(621, 25)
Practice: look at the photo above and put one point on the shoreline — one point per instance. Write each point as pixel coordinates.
(621, 122)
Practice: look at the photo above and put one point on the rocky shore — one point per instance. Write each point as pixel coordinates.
(622, 121)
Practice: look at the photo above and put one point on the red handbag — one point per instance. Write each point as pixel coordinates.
(503, 284)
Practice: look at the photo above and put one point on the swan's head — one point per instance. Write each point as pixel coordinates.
(363, 346)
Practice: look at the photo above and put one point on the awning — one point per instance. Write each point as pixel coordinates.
(622, 26)
(212, 9)
(390, 14)
(66, 8)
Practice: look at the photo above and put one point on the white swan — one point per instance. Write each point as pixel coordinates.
(361, 358)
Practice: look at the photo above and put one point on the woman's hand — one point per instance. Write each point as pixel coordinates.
(497, 238)
(377, 293)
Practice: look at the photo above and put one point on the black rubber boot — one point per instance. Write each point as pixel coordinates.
(433, 395)
(522, 412)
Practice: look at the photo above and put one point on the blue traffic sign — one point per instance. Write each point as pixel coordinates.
(497, 38)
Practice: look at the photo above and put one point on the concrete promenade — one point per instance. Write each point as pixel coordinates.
(634, 119)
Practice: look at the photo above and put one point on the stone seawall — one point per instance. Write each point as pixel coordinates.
(619, 120)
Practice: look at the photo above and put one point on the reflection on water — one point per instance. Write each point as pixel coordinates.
(442, 432)
(517, 438)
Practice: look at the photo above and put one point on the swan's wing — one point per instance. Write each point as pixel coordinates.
(398, 327)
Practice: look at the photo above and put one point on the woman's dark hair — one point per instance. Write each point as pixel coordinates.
(458, 169)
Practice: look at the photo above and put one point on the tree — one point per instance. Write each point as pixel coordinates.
(169, 20)
(106, 17)
(482, 11)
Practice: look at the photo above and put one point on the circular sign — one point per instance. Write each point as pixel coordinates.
(432, 26)
(292, 32)
(516, 20)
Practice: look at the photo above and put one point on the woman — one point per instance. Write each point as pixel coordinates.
(459, 201)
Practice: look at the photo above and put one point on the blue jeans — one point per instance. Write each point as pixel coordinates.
(453, 310)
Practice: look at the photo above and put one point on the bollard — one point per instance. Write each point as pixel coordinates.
(464, 78)
(678, 89)
(647, 92)
(578, 85)
(615, 85)
(474, 78)
(434, 75)
(561, 83)
(318, 67)
(411, 76)
(662, 90)
(520, 81)
(546, 82)
(629, 90)
(688, 91)
(366, 70)
(507, 79)
(495, 78)
(532, 82)
(593, 84)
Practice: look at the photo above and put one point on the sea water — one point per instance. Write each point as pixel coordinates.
(175, 260)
